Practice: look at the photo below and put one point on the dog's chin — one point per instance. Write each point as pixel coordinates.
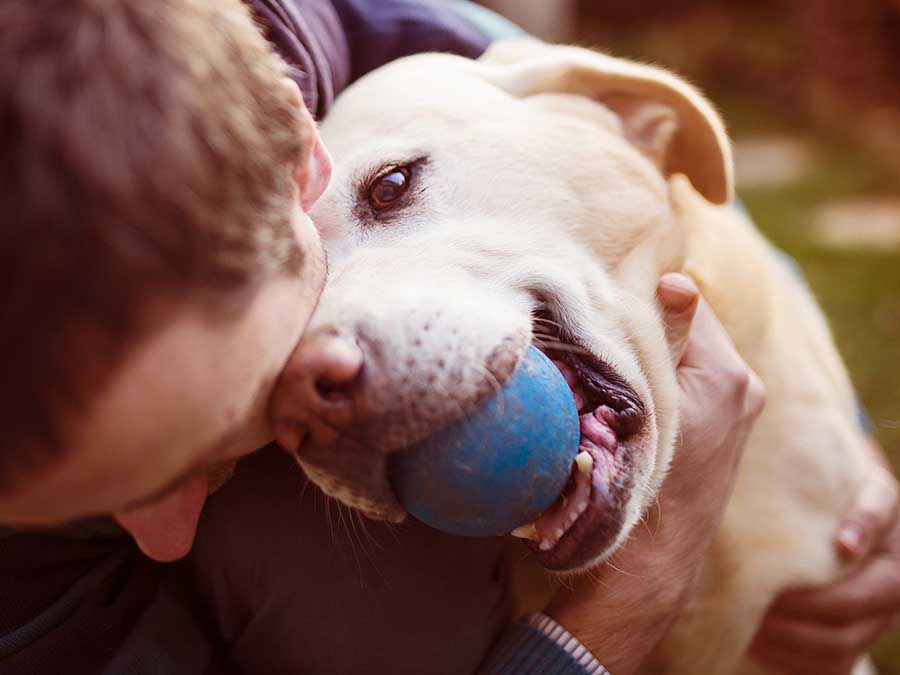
(360, 485)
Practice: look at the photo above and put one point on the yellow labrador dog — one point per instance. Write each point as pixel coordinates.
(539, 194)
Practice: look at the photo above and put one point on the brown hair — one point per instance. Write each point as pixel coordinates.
(146, 152)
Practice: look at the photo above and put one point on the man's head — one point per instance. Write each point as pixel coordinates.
(157, 264)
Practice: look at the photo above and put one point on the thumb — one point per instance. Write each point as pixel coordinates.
(678, 296)
(872, 514)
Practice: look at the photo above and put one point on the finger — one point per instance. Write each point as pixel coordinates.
(711, 353)
(709, 344)
(827, 642)
(874, 589)
(872, 515)
(793, 662)
(755, 400)
(679, 297)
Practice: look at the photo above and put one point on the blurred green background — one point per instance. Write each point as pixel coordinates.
(810, 90)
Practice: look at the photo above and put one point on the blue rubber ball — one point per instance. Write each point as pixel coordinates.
(502, 465)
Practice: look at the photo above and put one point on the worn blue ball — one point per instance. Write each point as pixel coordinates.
(502, 465)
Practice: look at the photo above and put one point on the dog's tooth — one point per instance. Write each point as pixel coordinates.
(559, 533)
(545, 545)
(580, 507)
(572, 518)
(526, 532)
(584, 461)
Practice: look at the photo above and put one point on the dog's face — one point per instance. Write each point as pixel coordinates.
(478, 207)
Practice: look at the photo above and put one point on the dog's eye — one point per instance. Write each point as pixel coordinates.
(386, 190)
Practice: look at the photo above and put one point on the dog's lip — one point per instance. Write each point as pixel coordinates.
(603, 393)
(603, 386)
(587, 517)
(599, 383)
(597, 527)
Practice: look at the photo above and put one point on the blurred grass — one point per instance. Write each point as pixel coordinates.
(858, 289)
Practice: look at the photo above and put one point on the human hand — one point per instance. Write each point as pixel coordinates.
(825, 630)
(623, 609)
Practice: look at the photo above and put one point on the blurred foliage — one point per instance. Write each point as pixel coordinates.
(831, 64)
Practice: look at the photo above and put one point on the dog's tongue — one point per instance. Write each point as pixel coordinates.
(164, 529)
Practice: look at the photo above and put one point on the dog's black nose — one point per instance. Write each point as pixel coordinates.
(320, 390)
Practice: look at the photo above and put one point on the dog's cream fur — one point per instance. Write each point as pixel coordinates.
(558, 175)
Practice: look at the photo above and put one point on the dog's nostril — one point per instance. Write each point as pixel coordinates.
(334, 365)
(330, 391)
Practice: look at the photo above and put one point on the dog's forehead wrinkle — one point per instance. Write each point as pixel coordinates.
(388, 104)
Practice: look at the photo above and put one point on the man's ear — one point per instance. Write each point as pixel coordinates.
(313, 170)
(663, 116)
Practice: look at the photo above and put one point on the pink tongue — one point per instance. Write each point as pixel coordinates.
(164, 529)
(597, 427)
(598, 439)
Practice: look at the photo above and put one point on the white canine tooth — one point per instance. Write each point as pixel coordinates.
(526, 532)
(572, 518)
(558, 534)
(580, 507)
(584, 461)
(545, 546)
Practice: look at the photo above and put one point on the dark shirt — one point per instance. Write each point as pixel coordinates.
(71, 598)
(331, 43)
(292, 582)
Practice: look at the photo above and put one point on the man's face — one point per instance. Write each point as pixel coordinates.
(191, 396)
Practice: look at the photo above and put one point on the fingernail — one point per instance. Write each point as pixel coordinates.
(677, 292)
(289, 435)
(853, 541)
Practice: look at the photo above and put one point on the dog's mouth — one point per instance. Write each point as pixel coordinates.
(587, 517)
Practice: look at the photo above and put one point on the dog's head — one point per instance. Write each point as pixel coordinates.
(478, 207)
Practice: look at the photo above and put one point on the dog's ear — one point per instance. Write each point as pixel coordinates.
(662, 115)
